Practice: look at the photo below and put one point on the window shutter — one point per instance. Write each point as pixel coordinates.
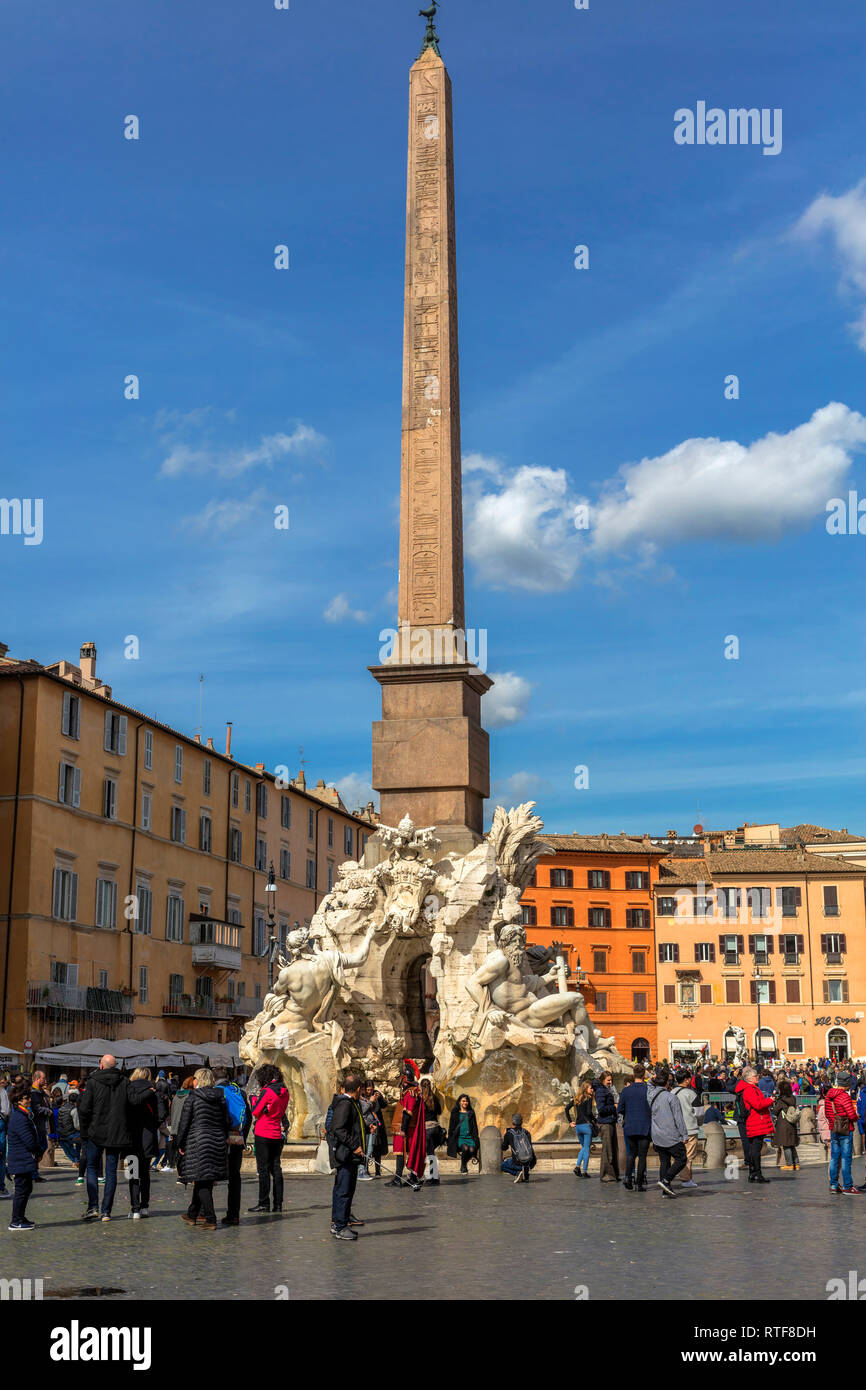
(67, 712)
(121, 738)
(844, 991)
(772, 991)
(801, 941)
(779, 897)
(826, 991)
(607, 878)
(628, 917)
(697, 951)
(721, 945)
(570, 877)
(60, 786)
(706, 994)
(769, 946)
(76, 787)
(676, 953)
(571, 916)
(824, 946)
(843, 943)
(607, 914)
(73, 902)
(670, 994)
(107, 739)
(740, 945)
(712, 951)
(661, 952)
(57, 891)
(751, 945)
(753, 991)
(183, 827)
(798, 897)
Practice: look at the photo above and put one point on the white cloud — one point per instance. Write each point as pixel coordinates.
(519, 525)
(506, 703)
(217, 518)
(340, 611)
(720, 489)
(228, 461)
(844, 218)
(355, 790)
(519, 787)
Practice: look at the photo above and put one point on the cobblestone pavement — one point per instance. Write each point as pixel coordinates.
(468, 1238)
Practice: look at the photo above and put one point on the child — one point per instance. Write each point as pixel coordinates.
(25, 1148)
(519, 1141)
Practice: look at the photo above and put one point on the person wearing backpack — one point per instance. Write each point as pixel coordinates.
(759, 1123)
(240, 1120)
(669, 1133)
(606, 1117)
(519, 1141)
(842, 1117)
(786, 1138)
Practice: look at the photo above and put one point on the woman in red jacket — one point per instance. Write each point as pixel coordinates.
(759, 1122)
(268, 1112)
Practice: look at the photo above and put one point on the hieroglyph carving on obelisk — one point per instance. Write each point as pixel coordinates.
(431, 509)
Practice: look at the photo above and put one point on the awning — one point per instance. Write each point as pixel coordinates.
(140, 1052)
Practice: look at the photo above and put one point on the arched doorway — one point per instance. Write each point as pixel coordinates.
(640, 1050)
(422, 1010)
(838, 1044)
(765, 1045)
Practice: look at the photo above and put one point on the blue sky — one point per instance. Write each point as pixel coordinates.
(259, 387)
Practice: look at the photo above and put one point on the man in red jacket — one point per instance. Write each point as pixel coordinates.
(842, 1118)
(758, 1121)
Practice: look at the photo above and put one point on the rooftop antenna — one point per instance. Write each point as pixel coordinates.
(200, 704)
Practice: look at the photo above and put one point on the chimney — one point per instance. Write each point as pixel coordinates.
(209, 743)
(87, 663)
(196, 738)
(260, 767)
(4, 647)
(301, 780)
(229, 738)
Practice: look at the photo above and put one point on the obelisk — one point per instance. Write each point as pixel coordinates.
(431, 756)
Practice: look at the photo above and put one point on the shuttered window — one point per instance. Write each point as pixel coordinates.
(106, 903)
(115, 733)
(65, 895)
(70, 725)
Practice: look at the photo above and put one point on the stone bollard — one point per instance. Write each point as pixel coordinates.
(621, 1148)
(715, 1145)
(807, 1125)
(857, 1149)
(491, 1150)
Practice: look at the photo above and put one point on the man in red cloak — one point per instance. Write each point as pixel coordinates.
(410, 1140)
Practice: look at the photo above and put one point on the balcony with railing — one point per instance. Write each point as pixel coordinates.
(245, 1006)
(215, 943)
(196, 1006)
(49, 995)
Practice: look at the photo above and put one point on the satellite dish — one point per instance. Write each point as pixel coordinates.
(699, 829)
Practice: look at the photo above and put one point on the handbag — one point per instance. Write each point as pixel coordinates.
(235, 1140)
(841, 1125)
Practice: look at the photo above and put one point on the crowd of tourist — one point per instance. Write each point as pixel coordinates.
(200, 1127)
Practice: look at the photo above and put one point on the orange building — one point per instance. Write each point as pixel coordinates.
(594, 895)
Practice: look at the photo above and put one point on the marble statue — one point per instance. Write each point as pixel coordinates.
(741, 1048)
(349, 991)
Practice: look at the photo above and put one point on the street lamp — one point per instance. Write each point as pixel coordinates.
(271, 890)
(758, 982)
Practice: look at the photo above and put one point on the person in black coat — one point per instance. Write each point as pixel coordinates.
(26, 1145)
(143, 1120)
(202, 1142)
(103, 1113)
(40, 1109)
(605, 1106)
(463, 1134)
(348, 1137)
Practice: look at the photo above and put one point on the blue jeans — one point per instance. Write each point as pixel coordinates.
(2, 1155)
(584, 1134)
(841, 1146)
(94, 1157)
(72, 1148)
